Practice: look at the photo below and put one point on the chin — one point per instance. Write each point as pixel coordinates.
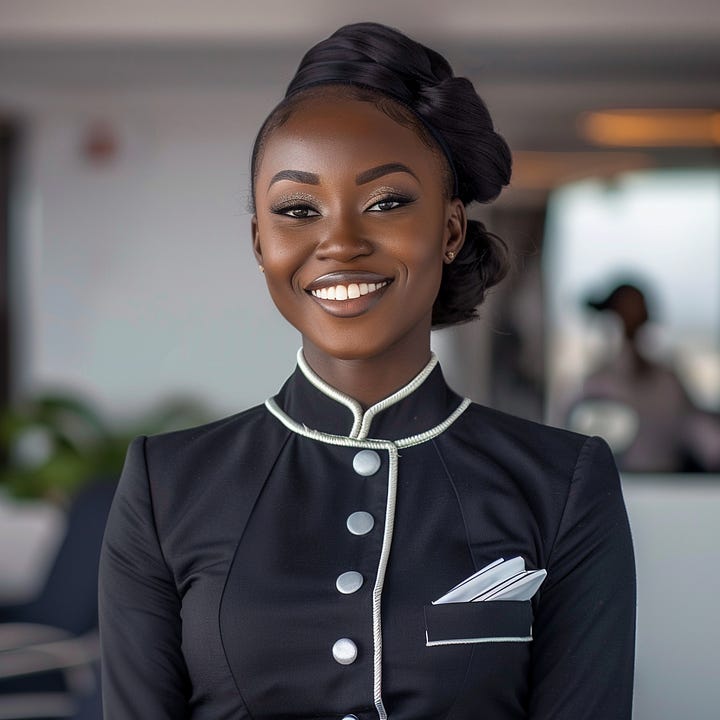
(349, 351)
(353, 345)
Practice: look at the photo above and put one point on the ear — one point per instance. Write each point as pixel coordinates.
(256, 239)
(455, 228)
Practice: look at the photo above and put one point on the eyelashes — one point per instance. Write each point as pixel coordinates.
(388, 201)
(297, 211)
(386, 204)
(302, 208)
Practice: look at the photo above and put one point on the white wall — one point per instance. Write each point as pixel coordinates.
(677, 548)
(138, 279)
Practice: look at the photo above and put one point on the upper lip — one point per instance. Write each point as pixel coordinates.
(346, 277)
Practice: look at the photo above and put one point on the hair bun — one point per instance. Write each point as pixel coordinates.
(482, 158)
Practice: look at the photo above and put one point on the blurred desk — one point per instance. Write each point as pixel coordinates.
(675, 522)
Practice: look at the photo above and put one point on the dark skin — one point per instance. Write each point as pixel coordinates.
(347, 199)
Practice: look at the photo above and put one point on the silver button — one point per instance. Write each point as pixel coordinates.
(344, 651)
(360, 522)
(350, 717)
(349, 582)
(366, 462)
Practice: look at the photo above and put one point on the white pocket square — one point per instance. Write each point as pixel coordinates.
(500, 580)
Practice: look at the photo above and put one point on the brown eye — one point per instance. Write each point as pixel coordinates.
(300, 212)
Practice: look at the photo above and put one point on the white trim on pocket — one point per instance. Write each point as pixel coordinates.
(469, 641)
(478, 622)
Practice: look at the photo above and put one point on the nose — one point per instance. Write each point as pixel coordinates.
(343, 241)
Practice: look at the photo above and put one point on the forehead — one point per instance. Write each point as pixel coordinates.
(339, 131)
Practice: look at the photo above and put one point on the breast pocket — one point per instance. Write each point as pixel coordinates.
(478, 622)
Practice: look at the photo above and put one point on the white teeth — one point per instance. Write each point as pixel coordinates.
(347, 292)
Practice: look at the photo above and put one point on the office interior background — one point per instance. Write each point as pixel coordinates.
(130, 300)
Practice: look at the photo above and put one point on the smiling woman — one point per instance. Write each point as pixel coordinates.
(368, 544)
(365, 203)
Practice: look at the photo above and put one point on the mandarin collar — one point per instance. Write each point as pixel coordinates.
(421, 405)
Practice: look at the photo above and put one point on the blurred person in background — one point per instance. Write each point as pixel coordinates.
(640, 404)
(368, 544)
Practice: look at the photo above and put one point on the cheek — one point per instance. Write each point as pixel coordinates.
(422, 256)
(282, 286)
(281, 256)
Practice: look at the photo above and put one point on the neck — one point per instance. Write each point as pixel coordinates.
(369, 380)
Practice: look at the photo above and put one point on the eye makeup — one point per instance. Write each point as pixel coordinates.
(292, 201)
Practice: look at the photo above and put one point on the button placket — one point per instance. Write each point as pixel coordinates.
(365, 463)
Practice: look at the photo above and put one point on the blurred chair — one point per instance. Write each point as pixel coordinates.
(49, 646)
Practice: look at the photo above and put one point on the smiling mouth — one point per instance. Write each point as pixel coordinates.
(348, 294)
(351, 291)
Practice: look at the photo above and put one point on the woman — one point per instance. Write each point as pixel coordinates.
(283, 563)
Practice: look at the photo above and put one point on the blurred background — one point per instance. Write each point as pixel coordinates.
(130, 302)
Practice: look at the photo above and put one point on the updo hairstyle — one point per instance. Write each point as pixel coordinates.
(415, 86)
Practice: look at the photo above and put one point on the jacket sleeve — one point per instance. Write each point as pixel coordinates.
(584, 626)
(143, 670)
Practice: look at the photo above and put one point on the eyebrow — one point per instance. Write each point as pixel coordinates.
(298, 176)
(366, 176)
(374, 173)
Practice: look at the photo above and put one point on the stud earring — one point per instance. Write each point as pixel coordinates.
(450, 255)
(261, 268)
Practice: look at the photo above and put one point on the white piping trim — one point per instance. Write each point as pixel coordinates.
(363, 420)
(437, 430)
(337, 395)
(369, 443)
(400, 394)
(380, 580)
(466, 641)
(328, 438)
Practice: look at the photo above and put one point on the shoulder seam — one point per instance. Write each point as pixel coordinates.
(200, 430)
(587, 450)
(152, 513)
(580, 461)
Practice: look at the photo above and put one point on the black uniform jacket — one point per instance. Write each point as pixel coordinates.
(221, 596)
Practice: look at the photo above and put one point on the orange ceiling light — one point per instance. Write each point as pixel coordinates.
(533, 170)
(652, 128)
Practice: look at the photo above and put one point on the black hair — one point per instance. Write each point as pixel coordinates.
(416, 86)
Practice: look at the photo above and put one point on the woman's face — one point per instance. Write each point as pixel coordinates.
(352, 226)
